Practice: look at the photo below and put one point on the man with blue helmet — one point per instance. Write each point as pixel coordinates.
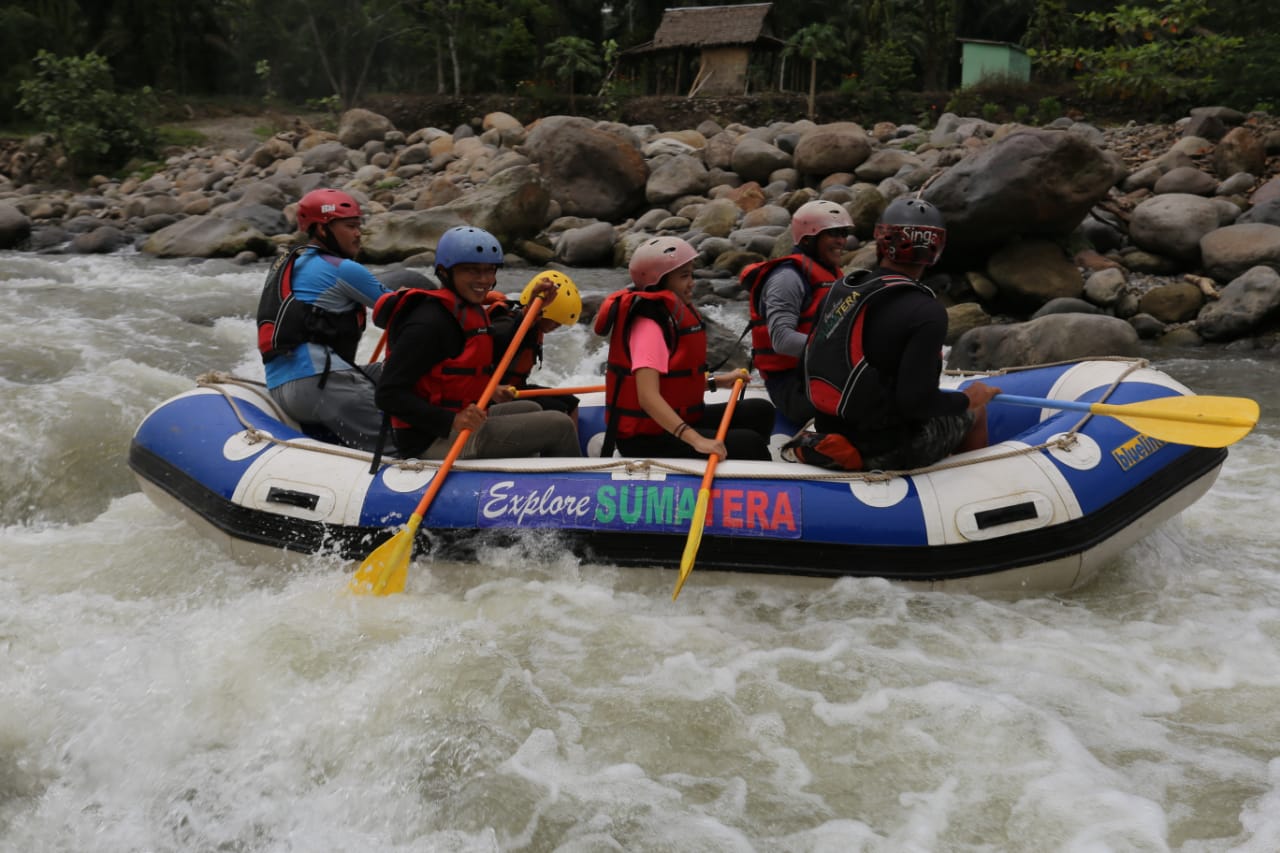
(441, 355)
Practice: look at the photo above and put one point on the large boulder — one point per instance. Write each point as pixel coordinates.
(1247, 304)
(1030, 273)
(1228, 252)
(356, 127)
(1032, 182)
(589, 170)
(1173, 224)
(830, 148)
(207, 237)
(511, 205)
(1056, 337)
(392, 237)
(14, 226)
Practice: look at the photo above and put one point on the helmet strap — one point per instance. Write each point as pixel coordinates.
(322, 236)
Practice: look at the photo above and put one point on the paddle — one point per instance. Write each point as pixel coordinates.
(377, 351)
(1192, 420)
(385, 570)
(522, 393)
(704, 495)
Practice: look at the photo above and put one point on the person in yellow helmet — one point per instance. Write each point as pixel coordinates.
(564, 310)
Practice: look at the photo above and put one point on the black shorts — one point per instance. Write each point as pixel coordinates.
(932, 440)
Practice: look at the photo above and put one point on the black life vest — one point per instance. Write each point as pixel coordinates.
(838, 378)
(818, 279)
(685, 381)
(286, 322)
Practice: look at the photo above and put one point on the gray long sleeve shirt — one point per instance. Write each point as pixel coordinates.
(784, 295)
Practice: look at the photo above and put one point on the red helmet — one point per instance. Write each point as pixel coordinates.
(320, 207)
(911, 231)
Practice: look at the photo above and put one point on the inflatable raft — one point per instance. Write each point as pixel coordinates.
(1055, 497)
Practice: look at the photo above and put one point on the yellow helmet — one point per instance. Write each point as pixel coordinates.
(566, 308)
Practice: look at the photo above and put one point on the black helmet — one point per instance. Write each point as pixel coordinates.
(911, 231)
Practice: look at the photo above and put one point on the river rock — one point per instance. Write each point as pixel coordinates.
(1177, 302)
(1246, 304)
(755, 160)
(588, 246)
(828, 148)
(1033, 182)
(14, 225)
(588, 169)
(675, 176)
(1241, 150)
(207, 237)
(1173, 224)
(1058, 337)
(1030, 273)
(1228, 252)
(358, 126)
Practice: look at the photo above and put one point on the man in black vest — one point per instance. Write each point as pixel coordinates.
(873, 362)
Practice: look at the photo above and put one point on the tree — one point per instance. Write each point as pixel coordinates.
(569, 56)
(816, 42)
(76, 100)
(1151, 57)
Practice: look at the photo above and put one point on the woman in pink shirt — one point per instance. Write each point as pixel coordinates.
(657, 368)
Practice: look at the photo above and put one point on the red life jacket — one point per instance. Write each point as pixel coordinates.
(530, 353)
(838, 379)
(685, 381)
(285, 323)
(818, 279)
(457, 382)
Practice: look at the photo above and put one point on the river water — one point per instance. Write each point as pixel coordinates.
(155, 696)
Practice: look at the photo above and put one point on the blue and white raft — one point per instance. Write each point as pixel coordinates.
(1055, 498)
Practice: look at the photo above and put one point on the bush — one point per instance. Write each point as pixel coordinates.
(74, 99)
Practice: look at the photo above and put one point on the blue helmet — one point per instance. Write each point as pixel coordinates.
(465, 244)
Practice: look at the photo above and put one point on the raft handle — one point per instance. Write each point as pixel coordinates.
(289, 497)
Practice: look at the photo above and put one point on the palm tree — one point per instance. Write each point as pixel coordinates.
(569, 56)
(815, 42)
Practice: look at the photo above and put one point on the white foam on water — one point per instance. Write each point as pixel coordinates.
(158, 696)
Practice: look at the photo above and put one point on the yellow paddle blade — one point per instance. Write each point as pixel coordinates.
(1196, 420)
(385, 571)
(696, 526)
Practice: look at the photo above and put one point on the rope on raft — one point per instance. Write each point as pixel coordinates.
(216, 380)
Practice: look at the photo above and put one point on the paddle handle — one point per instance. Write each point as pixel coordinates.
(377, 351)
(522, 393)
(530, 316)
(721, 431)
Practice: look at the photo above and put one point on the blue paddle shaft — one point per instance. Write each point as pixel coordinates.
(1041, 403)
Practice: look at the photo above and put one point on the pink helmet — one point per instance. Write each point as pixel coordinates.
(320, 207)
(655, 258)
(814, 217)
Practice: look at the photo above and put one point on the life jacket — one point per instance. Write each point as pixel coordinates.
(818, 279)
(457, 382)
(684, 383)
(529, 355)
(838, 378)
(286, 322)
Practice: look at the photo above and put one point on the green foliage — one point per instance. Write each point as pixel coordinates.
(1022, 114)
(990, 111)
(74, 98)
(887, 69)
(1151, 56)
(1048, 109)
(569, 56)
(180, 137)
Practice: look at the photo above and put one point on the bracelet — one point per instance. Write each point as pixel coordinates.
(711, 383)
(679, 431)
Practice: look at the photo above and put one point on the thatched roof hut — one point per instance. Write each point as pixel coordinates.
(725, 37)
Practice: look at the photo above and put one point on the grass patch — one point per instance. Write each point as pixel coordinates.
(183, 137)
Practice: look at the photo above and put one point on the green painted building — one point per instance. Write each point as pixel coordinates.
(980, 59)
